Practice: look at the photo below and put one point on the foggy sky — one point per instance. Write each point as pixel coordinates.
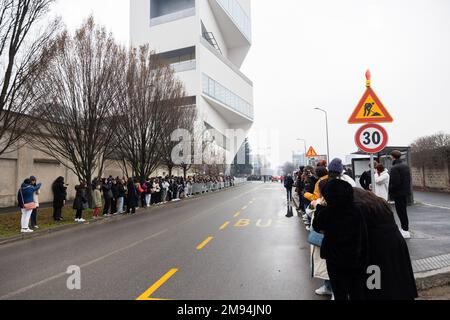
(310, 54)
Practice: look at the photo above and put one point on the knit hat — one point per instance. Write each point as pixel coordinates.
(336, 166)
(33, 178)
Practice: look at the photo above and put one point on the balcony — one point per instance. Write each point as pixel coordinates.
(234, 21)
(220, 96)
(164, 11)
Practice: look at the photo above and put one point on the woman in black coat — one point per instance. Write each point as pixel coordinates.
(387, 249)
(344, 246)
(81, 201)
(59, 189)
(132, 196)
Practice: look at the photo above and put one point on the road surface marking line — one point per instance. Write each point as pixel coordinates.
(237, 214)
(244, 208)
(204, 243)
(434, 206)
(147, 294)
(87, 264)
(224, 226)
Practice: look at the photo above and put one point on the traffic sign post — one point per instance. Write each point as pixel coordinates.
(371, 138)
(311, 153)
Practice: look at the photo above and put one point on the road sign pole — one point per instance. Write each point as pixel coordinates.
(372, 166)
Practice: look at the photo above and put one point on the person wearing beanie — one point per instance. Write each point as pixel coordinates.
(322, 175)
(400, 189)
(336, 171)
(344, 246)
(34, 214)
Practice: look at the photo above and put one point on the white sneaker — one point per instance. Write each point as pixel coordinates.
(27, 231)
(77, 220)
(81, 220)
(405, 234)
(323, 291)
(333, 298)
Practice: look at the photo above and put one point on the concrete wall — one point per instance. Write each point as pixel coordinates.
(431, 178)
(17, 166)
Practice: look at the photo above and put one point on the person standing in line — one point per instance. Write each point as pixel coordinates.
(34, 214)
(366, 178)
(25, 198)
(344, 246)
(133, 195)
(336, 171)
(382, 180)
(97, 200)
(59, 189)
(120, 196)
(289, 184)
(81, 202)
(115, 196)
(165, 188)
(387, 249)
(400, 190)
(107, 196)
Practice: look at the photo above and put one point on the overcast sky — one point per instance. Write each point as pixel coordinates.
(314, 53)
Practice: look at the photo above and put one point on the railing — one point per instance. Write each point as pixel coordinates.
(172, 16)
(184, 66)
(218, 92)
(225, 60)
(198, 188)
(238, 15)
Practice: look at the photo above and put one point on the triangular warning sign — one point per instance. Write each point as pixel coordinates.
(311, 153)
(370, 110)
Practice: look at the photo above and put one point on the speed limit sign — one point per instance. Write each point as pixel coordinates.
(372, 138)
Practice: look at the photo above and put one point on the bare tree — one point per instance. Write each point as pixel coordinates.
(151, 101)
(23, 56)
(79, 97)
(183, 118)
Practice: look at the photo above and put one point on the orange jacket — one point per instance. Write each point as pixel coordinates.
(316, 195)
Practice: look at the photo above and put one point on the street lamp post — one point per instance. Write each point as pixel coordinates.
(328, 138)
(304, 141)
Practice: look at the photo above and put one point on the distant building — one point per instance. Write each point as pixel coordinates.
(299, 159)
(206, 42)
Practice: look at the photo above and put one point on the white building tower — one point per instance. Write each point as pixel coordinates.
(206, 41)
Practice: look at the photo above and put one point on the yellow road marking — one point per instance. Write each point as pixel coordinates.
(237, 214)
(204, 243)
(223, 227)
(147, 294)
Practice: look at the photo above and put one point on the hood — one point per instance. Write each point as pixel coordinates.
(25, 186)
(338, 193)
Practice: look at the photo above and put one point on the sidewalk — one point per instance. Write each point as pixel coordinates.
(430, 243)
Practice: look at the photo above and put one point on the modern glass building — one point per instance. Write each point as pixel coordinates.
(206, 42)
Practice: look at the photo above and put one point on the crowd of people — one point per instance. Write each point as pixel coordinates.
(113, 196)
(353, 230)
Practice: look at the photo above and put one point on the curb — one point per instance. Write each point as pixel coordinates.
(433, 279)
(42, 233)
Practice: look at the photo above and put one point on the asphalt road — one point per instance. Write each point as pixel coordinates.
(235, 245)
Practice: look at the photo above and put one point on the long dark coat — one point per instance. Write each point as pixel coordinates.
(59, 194)
(81, 199)
(132, 196)
(387, 249)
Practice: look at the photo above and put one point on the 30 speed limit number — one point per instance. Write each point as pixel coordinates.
(372, 138)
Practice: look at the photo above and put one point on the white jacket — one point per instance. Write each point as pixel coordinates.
(382, 181)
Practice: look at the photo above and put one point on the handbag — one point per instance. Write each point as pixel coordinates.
(315, 238)
(28, 206)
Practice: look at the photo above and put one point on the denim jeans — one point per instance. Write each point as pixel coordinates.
(120, 202)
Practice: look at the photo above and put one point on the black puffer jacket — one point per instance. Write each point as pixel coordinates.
(400, 183)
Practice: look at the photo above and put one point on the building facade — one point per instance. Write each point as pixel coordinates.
(206, 42)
